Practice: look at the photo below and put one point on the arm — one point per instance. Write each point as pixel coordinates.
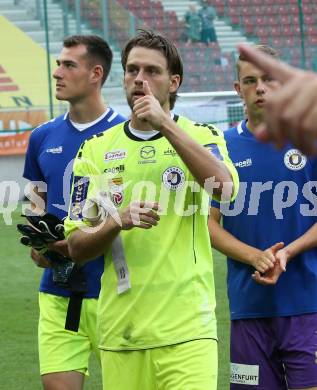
(38, 205)
(88, 243)
(226, 243)
(201, 163)
(305, 242)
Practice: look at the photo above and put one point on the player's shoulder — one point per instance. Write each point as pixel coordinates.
(97, 140)
(113, 117)
(48, 126)
(232, 133)
(198, 128)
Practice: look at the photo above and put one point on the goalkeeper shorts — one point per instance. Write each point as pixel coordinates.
(61, 349)
(192, 365)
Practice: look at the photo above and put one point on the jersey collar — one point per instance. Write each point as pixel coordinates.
(243, 130)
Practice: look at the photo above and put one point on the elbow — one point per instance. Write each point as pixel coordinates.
(223, 189)
(226, 190)
(75, 251)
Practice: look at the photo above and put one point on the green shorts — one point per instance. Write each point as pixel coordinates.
(188, 366)
(60, 349)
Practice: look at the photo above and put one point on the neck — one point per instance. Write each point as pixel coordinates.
(139, 124)
(254, 121)
(87, 110)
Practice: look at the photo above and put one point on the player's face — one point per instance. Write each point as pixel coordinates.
(73, 74)
(148, 65)
(253, 86)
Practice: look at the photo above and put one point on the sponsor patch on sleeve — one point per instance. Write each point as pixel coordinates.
(79, 196)
(214, 149)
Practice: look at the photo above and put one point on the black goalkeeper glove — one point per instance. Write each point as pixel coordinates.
(50, 225)
(43, 230)
(33, 237)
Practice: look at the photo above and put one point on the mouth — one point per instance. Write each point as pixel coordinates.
(137, 94)
(260, 102)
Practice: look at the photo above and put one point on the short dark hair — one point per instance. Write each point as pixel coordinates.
(151, 40)
(266, 49)
(98, 51)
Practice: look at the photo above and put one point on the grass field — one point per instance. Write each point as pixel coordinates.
(19, 315)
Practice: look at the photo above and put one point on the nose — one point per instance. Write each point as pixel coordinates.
(139, 78)
(260, 87)
(57, 73)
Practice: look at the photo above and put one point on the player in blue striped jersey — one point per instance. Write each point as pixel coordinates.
(272, 223)
(82, 68)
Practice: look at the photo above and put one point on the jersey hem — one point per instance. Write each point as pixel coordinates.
(66, 295)
(268, 315)
(166, 344)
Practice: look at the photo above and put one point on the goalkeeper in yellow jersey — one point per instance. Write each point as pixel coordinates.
(138, 198)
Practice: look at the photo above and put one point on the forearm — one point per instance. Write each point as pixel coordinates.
(90, 243)
(305, 242)
(60, 247)
(230, 246)
(202, 164)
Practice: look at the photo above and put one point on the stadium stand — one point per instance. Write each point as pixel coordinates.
(275, 22)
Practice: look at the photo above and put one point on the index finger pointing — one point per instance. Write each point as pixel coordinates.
(276, 69)
(146, 88)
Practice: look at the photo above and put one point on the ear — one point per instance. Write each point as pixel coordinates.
(97, 73)
(174, 82)
(238, 88)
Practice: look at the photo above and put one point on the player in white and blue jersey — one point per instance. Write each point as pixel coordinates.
(82, 68)
(272, 223)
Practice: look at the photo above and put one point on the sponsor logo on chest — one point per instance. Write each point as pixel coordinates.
(56, 150)
(170, 152)
(115, 170)
(147, 154)
(119, 154)
(243, 164)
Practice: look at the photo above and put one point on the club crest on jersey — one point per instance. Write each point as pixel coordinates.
(119, 154)
(116, 190)
(173, 178)
(295, 160)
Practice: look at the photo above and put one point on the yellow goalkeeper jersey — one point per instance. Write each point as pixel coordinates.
(158, 284)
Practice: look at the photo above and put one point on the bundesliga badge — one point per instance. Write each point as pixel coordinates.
(116, 190)
(173, 178)
(295, 160)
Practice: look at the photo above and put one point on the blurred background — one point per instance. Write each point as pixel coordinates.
(205, 31)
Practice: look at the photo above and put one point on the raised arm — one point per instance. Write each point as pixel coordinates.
(202, 164)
